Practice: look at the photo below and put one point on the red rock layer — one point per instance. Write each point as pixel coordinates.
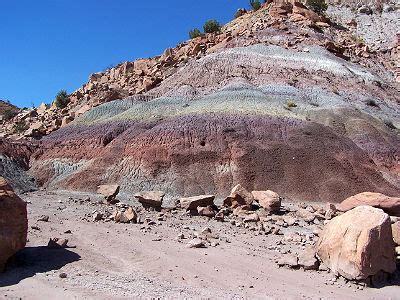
(207, 154)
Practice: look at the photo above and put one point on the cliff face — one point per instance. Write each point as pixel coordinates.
(281, 99)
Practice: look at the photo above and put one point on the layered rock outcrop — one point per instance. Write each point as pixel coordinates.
(13, 223)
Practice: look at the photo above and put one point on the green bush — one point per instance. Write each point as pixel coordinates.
(255, 4)
(211, 26)
(319, 6)
(9, 114)
(20, 127)
(291, 104)
(62, 99)
(194, 33)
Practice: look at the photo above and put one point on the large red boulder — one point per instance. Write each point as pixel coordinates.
(390, 205)
(358, 244)
(13, 223)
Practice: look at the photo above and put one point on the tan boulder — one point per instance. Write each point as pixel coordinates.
(150, 199)
(358, 244)
(390, 205)
(13, 223)
(192, 203)
(207, 211)
(108, 191)
(308, 259)
(128, 216)
(269, 200)
(239, 196)
(396, 232)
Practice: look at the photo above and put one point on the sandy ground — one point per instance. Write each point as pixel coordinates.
(114, 261)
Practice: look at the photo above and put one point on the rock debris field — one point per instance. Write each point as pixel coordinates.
(76, 249)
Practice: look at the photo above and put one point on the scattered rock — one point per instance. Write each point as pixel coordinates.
(63, 275)
(127, 216)
(391, 205)
(43, 218)
(108, 191)
(97, 216)
(57, 243)
(151, 199)
(289, 260)
(196, 243)
(192, 203)
(251, 218)
(239, 196)
(358, 243)
(308, 259)
(207, 211)
(269, 200)
(13, 223)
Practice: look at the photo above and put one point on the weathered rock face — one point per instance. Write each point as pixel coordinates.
(13, 223)
(390, 205)
(358, 243)
(14, 164)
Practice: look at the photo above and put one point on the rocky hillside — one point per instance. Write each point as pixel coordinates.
(357, 38)
(281, 99)
(7, 111)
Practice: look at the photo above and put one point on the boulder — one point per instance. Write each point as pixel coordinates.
(192, 203)
(289, 260)
(207, 211)
(150, 199)
(127, 216)
(13, 223)
(269, 200)
(396, 232)
(358, 244)
(108, 191)
(391, 205)
(308, 259)
(239, 196)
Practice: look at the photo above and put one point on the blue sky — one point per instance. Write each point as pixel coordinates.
(48, 45)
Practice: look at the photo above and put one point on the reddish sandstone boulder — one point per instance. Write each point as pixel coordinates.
(239, 196)
(108, 191)
(13, 223)
(269, 200)
(192, 203)
(358, 244)
(150, 199)
(390, 205)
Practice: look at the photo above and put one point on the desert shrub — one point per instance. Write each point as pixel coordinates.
(20, 127)
(211, 26)
(291, 104)
(62, 99)
(194, 33)
(9, 114)
(319, 6)
(255, 4)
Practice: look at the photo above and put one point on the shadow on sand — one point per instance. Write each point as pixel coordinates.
(33, 260)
